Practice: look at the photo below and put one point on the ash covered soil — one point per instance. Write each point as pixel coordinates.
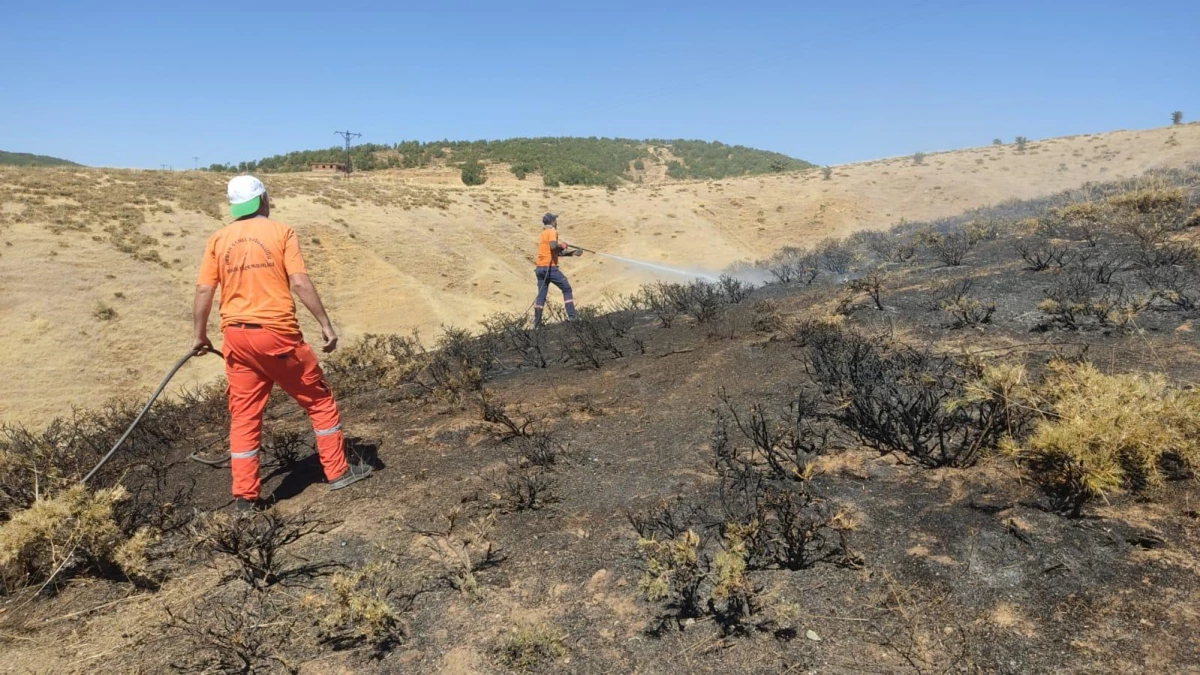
(536, 519)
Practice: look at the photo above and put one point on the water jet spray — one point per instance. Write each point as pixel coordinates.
(691, 274)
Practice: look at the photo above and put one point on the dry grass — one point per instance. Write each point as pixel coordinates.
(1100, 433)
(70, 529)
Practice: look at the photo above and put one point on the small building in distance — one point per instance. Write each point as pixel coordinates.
(328, 167)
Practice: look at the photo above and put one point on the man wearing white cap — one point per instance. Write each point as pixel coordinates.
(257, 264)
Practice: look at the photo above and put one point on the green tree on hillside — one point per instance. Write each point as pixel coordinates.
(473, 173)
(1177, 117)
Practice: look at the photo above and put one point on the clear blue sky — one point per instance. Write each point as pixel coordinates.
(830, 82)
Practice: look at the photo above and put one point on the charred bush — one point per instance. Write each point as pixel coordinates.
(1167, 254)
(521, 487)
(460, 364)
(964, 309)
(784, 445)
(591, 339)
(363, 607)
(949, 248)
(872, 285)
(1077, 301)
(287, 448)
(660, 300)
(516, 333)
(463, 548)
(704, 300)
(507, 427)
(834, 256)
(541, 450)
(736, 290)
(792, 265)
(1040, 254)
(1101, 267)
(901, 399)
(242, 634)
(1177, 286)
(767, 317)
(254, 544)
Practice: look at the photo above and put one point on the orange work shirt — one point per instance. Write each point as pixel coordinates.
(251, 260)
(546, 257)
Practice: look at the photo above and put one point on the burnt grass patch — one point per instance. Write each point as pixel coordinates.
(819, 478)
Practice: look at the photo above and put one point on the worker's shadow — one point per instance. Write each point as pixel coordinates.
(307, 471)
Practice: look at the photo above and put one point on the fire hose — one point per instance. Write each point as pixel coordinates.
(133, 425)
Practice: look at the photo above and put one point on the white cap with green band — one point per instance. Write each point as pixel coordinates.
(245, 193)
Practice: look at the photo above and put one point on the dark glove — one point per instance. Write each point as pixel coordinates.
(576, 253)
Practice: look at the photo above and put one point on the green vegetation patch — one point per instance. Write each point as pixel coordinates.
(561, 161)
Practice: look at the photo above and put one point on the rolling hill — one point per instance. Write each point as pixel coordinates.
(97, 266)
(28, 159)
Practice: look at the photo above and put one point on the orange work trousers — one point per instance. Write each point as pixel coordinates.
(255, 360)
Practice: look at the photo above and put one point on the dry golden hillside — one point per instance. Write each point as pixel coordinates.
(97, 265)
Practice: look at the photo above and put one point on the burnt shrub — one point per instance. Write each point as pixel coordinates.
(736, 290)
(286, 447)
(1076, 301)
(507, 425)
(460, 364)
(540, 450)
(963, 308)
(254, 544)
(872, 285)
(900, 399)
(834, 255)
(792, 265)
(515, 332)
(693, 571)
(702, 300)
(1041, 254)
(1101, 267)
(661, 300)
(592, 339)
(1175, 285)
(523, 487)
(783, 444)
(949, 248)
(246, 632)
(363, 607)
(767, 316)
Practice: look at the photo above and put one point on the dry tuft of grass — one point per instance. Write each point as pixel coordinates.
(1098, 434)
(73, 528)
(1149, 200)
(355, 608)
(530, 647)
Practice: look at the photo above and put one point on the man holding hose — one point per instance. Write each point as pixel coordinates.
(257, 263)
(547, 272)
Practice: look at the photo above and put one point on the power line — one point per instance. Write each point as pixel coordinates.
(195, 162)
(348, 135)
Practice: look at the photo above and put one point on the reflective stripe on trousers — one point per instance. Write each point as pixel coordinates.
(256, 359)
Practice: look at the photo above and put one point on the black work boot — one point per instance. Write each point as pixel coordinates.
(355, 473)
(246, 507)
(537, 318)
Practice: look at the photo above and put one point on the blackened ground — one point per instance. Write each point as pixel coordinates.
(962, 570)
